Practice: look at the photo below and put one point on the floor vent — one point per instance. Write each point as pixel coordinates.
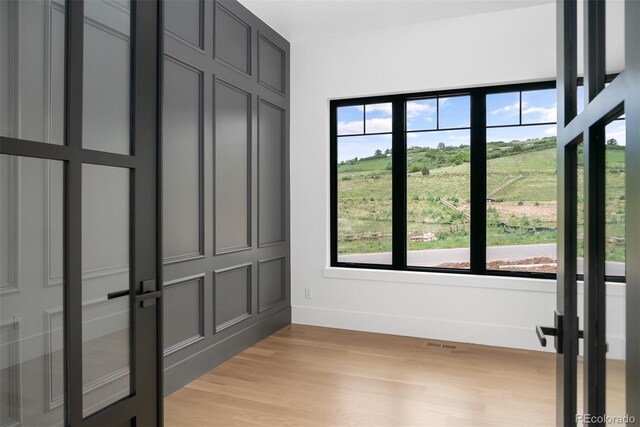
(440, 345)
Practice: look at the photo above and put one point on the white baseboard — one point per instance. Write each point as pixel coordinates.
(439, 329)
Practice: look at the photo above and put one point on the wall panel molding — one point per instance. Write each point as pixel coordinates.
(271, 65)
(245, 202)
(200, 333)
(227, 208)
(168, 215)
(243, 309)
(175, 7)
(267, 219)
(266, 298)
(232, 55)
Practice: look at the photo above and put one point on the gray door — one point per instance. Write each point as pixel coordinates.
(78, 221)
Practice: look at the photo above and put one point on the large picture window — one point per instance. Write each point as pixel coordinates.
(457, 181)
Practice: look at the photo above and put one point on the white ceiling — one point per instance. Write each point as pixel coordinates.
(304, 19)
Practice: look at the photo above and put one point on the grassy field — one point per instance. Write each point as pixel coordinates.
(521, 198)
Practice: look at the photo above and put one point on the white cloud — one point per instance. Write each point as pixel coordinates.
(348, 128)
(414, 109)
(373, 126)
(551, 131)
(382, 108)
(511, 109)
(378, 125)
(546, 114)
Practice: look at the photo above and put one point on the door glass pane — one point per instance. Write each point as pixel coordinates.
(31, 286)
(106, 352)
(615, 153)
(32, 39)
(107, 74)
(364, 199)
(580, 270)
(614, 37)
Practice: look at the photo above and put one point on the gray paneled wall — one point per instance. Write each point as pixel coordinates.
(225, 184)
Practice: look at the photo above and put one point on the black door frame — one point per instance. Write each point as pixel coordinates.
(145, 403)
(601, 106)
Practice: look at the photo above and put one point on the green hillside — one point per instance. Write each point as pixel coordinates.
(521, 197)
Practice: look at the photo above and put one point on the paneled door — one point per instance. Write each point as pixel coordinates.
(598, 375)
(79, 300)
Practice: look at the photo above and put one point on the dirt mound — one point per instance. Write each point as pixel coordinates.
(536, 264)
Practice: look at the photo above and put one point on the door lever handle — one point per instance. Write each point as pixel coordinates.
(146, 298)
(149, 295)
(118, 294)
(543, 331)
(556, 331)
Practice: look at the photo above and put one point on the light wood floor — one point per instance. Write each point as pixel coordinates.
(312, 376)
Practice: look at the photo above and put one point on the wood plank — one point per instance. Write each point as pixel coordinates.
(313, 376)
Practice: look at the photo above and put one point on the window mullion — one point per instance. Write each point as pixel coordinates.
(478, 182)
(399, 185)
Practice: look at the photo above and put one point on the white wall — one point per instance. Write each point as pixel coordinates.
(501, 47)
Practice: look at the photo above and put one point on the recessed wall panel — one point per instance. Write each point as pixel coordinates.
(182, 153)
(232, 296)
(271, 283)
(271, 64)
(232, 168)
(183, 312)
(232, 40)
(184, 19)
(270, 174)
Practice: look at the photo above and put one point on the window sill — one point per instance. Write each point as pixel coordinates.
(458, 280)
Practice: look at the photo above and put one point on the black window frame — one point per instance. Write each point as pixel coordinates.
(478, 178)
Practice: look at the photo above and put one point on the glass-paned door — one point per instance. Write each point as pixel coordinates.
(597, 329)
(79, 300)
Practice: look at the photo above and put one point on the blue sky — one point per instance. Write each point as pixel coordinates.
(351, 120)
(350, 147)
(432, 139)
(617, 130)
(539, 106)
(520, 133)
(502, 109)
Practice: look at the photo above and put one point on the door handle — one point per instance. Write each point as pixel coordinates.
(543, 331)
(146, 299)
(149, 295)
(555, 331)
(118, 294)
